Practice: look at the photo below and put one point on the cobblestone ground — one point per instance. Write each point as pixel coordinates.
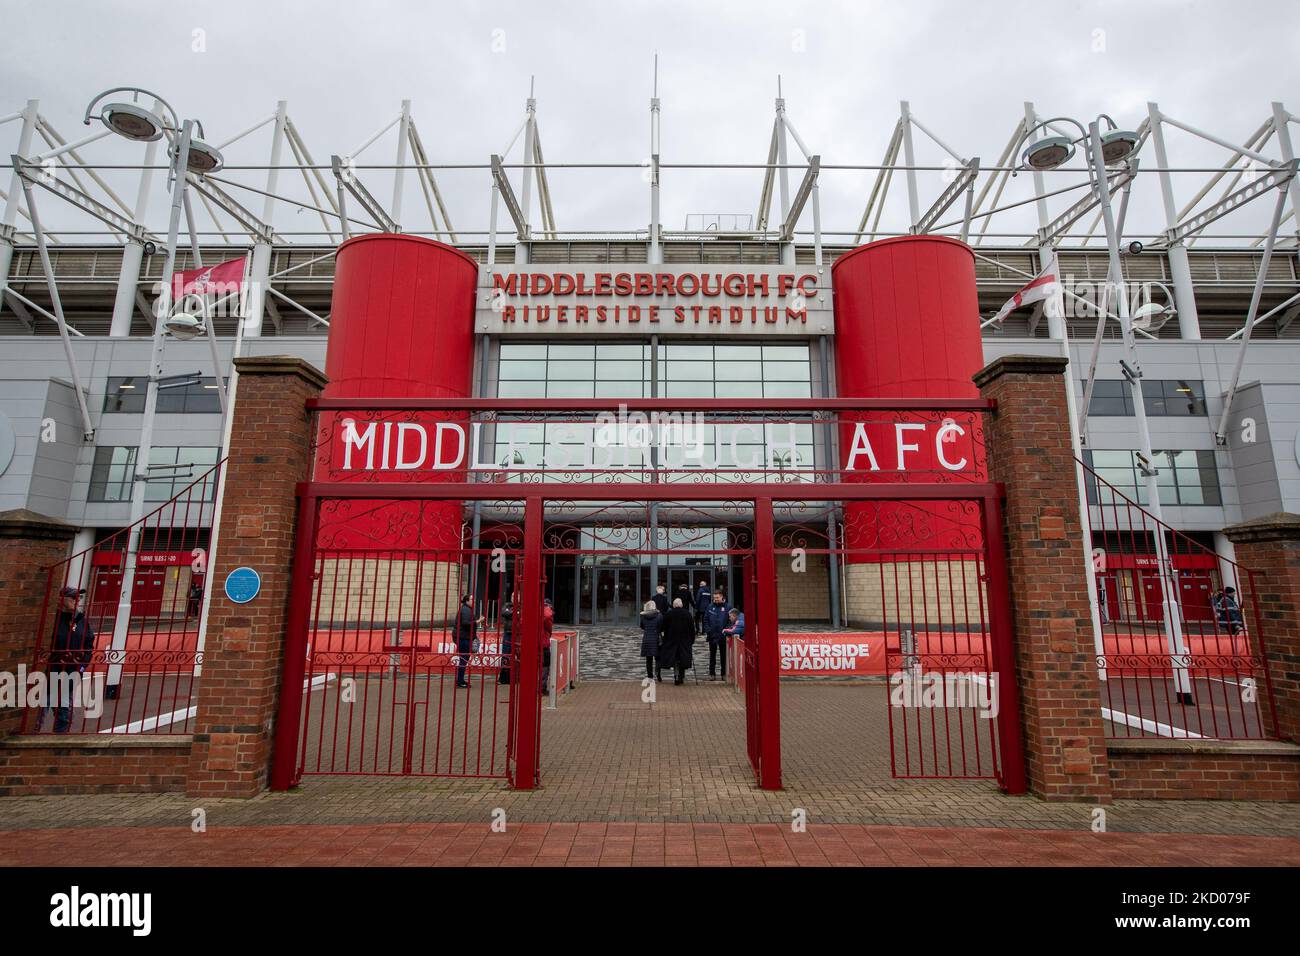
(607, 757)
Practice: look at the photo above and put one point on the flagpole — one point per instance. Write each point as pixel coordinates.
(1055, 308)
(227, 418)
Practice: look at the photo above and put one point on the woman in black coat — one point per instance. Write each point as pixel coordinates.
(679, 635)
(652, 626)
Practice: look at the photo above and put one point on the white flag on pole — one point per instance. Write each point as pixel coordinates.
(1042, 286)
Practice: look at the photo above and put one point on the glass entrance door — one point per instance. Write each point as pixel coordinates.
(615, 596)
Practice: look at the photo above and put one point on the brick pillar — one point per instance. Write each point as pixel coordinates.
(1269, 548)
(270, 452)
(29, 544)
(1029, 450)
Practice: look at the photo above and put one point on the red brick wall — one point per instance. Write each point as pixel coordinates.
(1269, 548)
(67, 767)
(1029, 449)
(1204, 776)
(244, 649)
(29, 543)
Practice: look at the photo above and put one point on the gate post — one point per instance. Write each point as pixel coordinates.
(529, 641)
(1029, 451)
(769, 649)
(29, 544)
(1268, 549)
(244, 648)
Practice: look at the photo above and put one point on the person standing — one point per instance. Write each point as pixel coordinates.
(678, 636)
(662, 603)
(702, 601)
(652, 624)
(71, 646)
(685, 596)
(507, 644)
(548, 625)
(717, 617)
(737, 628)
(466, 630)
(1229, 611)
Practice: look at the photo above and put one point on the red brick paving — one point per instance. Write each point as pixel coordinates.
(631, 844)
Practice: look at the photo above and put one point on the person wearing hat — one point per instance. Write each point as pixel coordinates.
(70, 649)
(1229, 611)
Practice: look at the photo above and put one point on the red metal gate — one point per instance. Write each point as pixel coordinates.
(444, 489)
(924, 608)
(409, 656)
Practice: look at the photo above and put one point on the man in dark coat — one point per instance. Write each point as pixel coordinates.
(652, 625)
(507, 646)
(70, 651)
(661, 599)
(717, 617)
(466, 626)
(679, 635)
(703, 598)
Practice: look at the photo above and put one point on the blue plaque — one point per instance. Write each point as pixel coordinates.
(242, 585)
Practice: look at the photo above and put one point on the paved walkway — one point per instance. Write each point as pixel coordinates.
(630, 844)
(608, 757)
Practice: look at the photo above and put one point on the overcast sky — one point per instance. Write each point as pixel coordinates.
(966, 68)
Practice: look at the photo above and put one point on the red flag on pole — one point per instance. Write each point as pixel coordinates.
(221, 279)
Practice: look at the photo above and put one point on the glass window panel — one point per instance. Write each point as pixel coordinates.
(745, 353)
(694, 389)
(785, 371)
(631, 388)
(1110, 397)
(739, 389)
(785, 352)
(521, 389)
(787, 390)
(733, 371)
(523, 369)
(621, 352)
(619, 371)
(693, 351)
(686, 370)
(511, 350)
(567, 351)
(570, 369)
(1153, 396)
(563, 389)
(1185, 397)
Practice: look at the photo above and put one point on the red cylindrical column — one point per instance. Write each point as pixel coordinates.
(402, 320)
(906, 326)
(402, 326)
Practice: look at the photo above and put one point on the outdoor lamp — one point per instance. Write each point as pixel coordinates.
(184, 324)
(1118, 145)
(202, 158)
(1048, 153)
(131, 120)
(1151, 316)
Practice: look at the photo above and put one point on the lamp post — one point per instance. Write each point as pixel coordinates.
(188, 154)
(1108, 148)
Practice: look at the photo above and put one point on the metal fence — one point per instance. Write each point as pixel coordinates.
(1180, 642)
(120, 649)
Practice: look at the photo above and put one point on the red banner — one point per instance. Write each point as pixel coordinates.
(224, 277)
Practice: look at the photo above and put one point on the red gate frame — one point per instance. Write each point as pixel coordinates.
(524, 775)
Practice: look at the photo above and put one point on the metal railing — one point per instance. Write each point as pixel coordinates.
(1180, 651)
(140, 677)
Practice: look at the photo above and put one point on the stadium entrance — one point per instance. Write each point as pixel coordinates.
(413, 599)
